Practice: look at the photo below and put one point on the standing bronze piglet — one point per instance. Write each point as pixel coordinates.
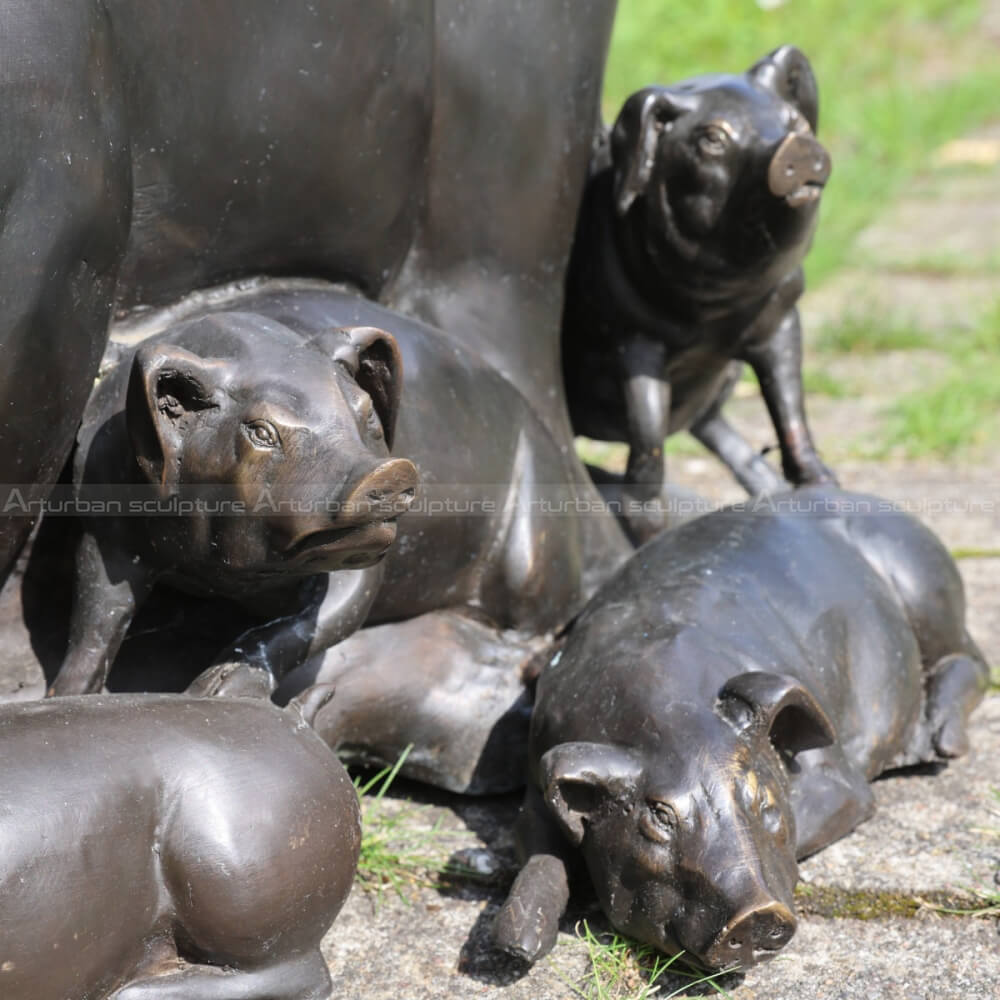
(688, 259)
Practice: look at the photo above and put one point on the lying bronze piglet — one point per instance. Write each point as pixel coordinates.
(688, 259)
(717, 712)
(249, 461)
(159, 847)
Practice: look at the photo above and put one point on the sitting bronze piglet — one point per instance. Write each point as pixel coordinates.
(688, 260)
(277, 444)
(158, 847)
(717, 712)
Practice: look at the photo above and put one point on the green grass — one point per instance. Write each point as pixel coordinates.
(866, 332)
(817, 382)
(890, 92)
(620, 969)
(943, 265)
(958, 412)
(394, 855)
(987, 905)
(975, 553)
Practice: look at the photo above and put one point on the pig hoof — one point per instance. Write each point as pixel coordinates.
(812, 473)
(951, 739)
(955, 688)
(526, 935)
(232, 680)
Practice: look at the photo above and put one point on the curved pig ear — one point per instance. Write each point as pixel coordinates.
(634, 139)
(776, 707)
(787, 73)
(167, 385)
(372, 357)
(578, 778)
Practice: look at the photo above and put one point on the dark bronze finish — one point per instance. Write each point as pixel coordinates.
(494, 531)
(143, 830)
(491, 530)
(699, 211)
(718, 710)
(450, 686)
(430, 153)
(242, 409)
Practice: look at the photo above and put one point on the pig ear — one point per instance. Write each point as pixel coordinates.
(634, 139)
(787, 73)
(166, 386)
(578, 778)
(372, 356)
(777, 707)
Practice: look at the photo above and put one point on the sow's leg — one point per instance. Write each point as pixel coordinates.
(302, 978)
(65, 187)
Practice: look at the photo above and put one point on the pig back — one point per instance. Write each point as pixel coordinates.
(735, 591)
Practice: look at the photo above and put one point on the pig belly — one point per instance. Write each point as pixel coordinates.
(79, 896)
(696, 383)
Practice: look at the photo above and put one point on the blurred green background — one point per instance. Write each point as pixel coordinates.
(903, 337)
(898, 78)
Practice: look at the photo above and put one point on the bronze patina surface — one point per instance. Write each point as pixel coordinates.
(718, 710)
(688, 259)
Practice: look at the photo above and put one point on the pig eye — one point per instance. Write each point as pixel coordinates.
(713, 140)
(658, 822)
(262, 434)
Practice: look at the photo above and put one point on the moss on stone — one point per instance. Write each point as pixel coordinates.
(875, 904)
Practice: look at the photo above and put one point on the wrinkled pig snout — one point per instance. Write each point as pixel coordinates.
(385, 493)
(799, 169)
(752, 936)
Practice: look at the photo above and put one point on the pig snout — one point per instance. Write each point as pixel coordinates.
(358, 531)
(754, 935)
(385, 493)
(799, 169)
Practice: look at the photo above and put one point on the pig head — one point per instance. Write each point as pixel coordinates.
(262, 458)
(722, 172)
(297, 433)
(688, 834)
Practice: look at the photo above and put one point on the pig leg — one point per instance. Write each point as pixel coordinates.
(66, 194)
(647, 412)
(749, 467)
(956, 685)
(829, 798)
(777, 362)
(528, 922)
(303, 978)
(262, 656)
(109, 587)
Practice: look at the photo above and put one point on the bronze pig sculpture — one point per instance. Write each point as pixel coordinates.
(292, 430)
(158, 847)
(718, 709)
(152, 149)
(687, 260)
